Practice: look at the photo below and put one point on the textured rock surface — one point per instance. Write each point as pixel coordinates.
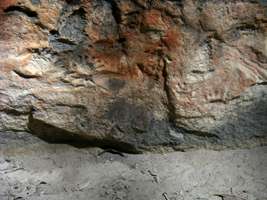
(135, 74)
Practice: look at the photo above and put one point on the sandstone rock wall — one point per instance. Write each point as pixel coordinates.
(135, 74)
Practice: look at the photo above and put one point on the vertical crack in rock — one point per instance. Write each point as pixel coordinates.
(171, 107)
(115, 10)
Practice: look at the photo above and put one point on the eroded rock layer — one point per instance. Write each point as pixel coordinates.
(135, 74)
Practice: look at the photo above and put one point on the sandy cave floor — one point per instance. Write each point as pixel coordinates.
(44, 171)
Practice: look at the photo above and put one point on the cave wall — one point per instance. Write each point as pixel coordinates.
(135, 74)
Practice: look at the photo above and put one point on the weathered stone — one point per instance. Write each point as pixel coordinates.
(135, 74)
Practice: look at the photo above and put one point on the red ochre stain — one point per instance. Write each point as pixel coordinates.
(153, 17)
(172, 39)
(3, 17)
(6, 3)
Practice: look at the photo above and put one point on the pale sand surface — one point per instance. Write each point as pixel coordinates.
(61, 172)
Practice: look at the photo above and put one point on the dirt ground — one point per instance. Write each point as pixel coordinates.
(43, 171)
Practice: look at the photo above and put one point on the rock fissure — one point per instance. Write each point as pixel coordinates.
(21, 9)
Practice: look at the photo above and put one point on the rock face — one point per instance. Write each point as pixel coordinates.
(135, 74)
